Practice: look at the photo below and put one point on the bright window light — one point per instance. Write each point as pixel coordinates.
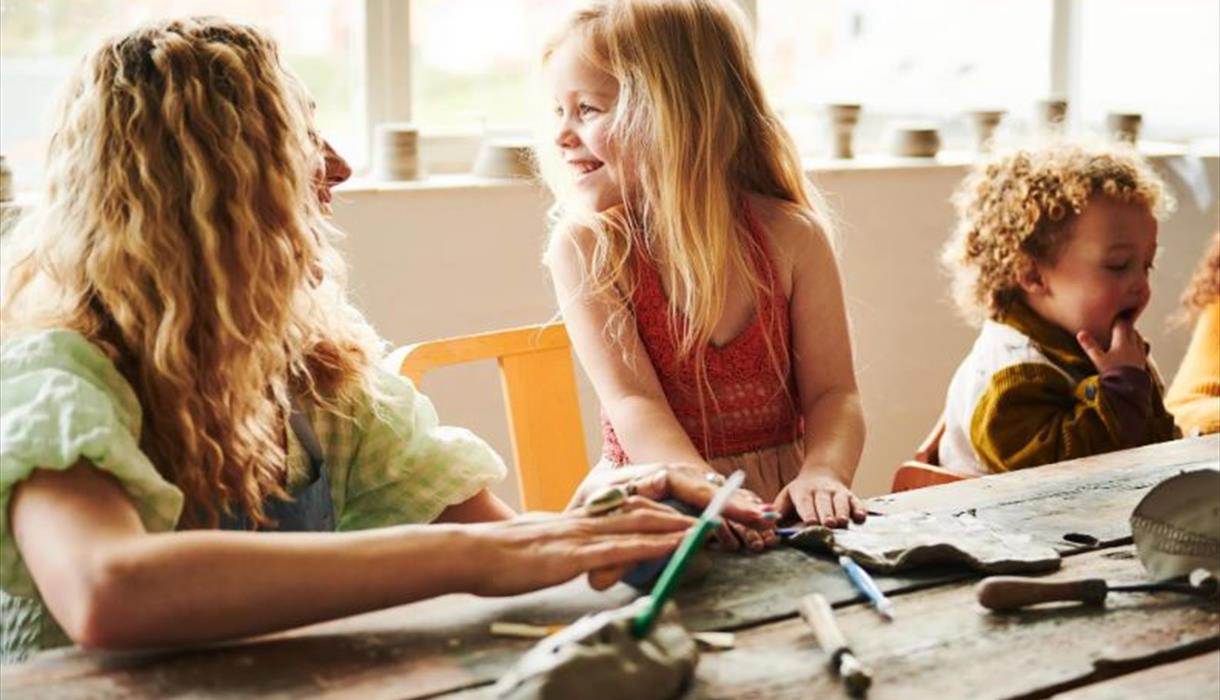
(475, 62)
(41, 42)
(930, 59)
(1159, 59)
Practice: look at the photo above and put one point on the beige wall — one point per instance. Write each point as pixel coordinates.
(431, 261)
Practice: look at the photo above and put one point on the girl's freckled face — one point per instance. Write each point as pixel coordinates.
(585, 99)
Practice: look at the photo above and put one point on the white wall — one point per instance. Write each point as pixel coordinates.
(437, 259)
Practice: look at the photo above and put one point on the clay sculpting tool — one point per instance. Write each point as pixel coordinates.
(664, 588)
(865, 584)
(1005, 593)
(715, 640)
(843, 663)
(523, 630)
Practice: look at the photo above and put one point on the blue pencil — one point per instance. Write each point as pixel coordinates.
(865, 584)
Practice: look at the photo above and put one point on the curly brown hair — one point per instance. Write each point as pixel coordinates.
(1017, 209)
(180, 231)
(1204, 287)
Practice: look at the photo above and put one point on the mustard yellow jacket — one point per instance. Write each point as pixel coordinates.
(1028, 395)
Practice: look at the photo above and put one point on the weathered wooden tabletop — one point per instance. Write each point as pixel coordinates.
(942, 644)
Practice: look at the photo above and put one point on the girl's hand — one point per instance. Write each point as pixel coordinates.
(539, 551)
(746, 521)
(820, 498)
(1126, 347)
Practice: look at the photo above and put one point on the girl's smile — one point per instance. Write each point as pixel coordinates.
(585, 100)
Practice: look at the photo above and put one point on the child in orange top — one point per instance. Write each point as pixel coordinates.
(1054, 246)
(692, 261)
(1194, 396)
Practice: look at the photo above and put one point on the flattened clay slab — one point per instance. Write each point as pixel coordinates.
(598, 657)
(888, 543)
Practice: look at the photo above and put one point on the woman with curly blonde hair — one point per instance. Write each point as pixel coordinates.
(179, 354)
(1194, 395)
(1052, 251)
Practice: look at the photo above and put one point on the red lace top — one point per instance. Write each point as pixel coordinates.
(752, 402)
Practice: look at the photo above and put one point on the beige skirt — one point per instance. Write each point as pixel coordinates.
(767, 470)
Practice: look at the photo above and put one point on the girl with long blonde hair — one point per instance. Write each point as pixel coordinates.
(179, 354)
(692, 261)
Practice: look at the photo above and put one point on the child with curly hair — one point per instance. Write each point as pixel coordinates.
(1194, 395)
(1052, 249)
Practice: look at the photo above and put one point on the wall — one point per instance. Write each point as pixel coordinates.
(452, 257)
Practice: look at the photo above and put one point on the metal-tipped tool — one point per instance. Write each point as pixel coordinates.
(1004, 593)
(865, 584)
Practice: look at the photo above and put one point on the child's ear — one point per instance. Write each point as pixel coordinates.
(1031, 281)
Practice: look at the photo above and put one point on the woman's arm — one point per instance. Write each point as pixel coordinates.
(483, 507)
(826, 377)
(111, 584)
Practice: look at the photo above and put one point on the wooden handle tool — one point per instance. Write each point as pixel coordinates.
(821, 619)
(1004, 593)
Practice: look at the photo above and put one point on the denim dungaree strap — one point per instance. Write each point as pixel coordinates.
(311, 508)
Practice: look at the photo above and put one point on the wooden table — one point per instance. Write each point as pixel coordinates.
(941, 645)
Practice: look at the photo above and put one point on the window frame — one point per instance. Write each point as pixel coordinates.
(388, 72)
(385, 29)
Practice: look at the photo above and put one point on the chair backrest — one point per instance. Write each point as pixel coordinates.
(539, 385)
(925, 469)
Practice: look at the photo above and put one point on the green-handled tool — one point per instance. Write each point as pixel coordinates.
(664, 588)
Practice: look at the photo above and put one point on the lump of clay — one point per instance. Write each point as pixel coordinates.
(597, 657)
(889, 543)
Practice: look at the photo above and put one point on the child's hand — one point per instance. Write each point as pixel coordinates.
(746, 522)
(1126, 347)
(820, 498)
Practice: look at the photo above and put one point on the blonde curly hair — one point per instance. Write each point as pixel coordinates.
(1018, 208)
(181, 232)
(1204, 287)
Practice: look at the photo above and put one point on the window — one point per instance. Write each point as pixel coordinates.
(468, 66)
(931, 59)
(473, 62)
(41, 42)
(1160, 59)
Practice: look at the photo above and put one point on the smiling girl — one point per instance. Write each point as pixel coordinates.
(692, 261)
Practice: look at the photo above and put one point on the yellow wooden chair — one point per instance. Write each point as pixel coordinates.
(539, 385)
(925, 469)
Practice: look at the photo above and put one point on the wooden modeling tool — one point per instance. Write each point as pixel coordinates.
(1006, 593)
(708, 521)
(843, 663)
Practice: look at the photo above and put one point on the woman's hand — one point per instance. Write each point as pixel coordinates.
(747, 521)
(818, 497)
(538, 551)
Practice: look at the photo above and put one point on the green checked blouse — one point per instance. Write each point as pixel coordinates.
(62, 400)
